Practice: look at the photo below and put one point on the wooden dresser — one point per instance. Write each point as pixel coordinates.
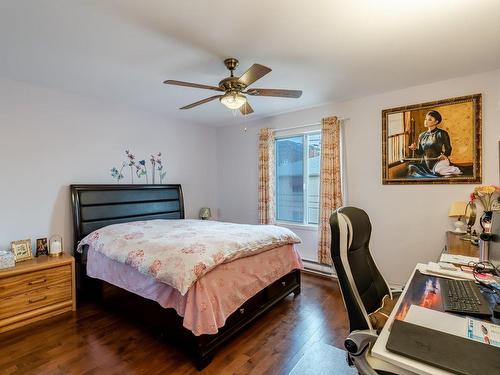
(36, 289)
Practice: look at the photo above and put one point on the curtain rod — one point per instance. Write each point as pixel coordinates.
(305, 126)
(296, 127)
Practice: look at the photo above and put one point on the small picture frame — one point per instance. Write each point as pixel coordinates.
(495, 205)
(22, 250)
(42, 247)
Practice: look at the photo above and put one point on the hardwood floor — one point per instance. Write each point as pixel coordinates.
(96, 341)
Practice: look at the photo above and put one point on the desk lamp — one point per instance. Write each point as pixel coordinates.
(205, 213)
(457, 210)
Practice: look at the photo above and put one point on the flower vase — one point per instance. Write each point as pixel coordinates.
(485, 221)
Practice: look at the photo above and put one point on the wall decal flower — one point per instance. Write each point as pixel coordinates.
(115, 173)
(156, 165)
(131, 164)
(140, 169)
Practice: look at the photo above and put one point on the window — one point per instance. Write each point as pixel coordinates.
(297, 178)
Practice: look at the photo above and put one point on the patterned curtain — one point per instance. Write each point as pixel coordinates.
(330, 184)
(266, 177)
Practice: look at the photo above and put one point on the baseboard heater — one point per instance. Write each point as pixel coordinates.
(324, 270)
(318, 268)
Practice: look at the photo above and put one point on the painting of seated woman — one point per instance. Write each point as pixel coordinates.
(437, 142)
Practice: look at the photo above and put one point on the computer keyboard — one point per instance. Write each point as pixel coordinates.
(464, 297)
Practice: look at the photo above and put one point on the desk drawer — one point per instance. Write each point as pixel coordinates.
(34, 299)
(26, 282)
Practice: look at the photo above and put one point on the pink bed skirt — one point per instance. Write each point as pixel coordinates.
(214, 297)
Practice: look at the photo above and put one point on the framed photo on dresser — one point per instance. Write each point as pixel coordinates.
(433, 143)
(42, 247)
(22, 250)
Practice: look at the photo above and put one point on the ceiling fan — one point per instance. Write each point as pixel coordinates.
(233, 88)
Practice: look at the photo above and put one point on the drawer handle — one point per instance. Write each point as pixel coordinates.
(242, 311)
(283, 283)
(38, 281)
(37, 299)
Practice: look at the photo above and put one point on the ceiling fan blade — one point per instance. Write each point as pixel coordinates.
(201, 102)
(275, 92)
(189, 84)
(255, 72)
(246, 109)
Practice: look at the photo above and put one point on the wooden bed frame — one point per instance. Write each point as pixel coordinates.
(96, 206)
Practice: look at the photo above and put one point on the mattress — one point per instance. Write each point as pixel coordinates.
(179, 252)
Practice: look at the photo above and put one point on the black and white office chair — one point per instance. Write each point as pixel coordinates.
(362, 286)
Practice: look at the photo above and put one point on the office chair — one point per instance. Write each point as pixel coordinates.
(361, 284)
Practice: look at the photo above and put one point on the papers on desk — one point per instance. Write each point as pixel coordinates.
(484, 332)
(432, 268)
(437, 320)
(458, 259)
(467, 327)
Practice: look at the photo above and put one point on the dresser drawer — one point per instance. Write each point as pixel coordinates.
(34, 299)
(26, 282)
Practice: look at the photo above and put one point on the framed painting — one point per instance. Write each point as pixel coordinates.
(433, 143)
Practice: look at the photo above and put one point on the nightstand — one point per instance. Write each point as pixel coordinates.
(36, 289)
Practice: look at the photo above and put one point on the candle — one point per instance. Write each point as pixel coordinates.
(55, 247)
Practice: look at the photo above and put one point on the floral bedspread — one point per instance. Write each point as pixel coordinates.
(179, 252)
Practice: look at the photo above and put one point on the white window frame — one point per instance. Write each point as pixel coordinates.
(305, 222)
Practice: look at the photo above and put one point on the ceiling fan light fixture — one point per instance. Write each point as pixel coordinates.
(233, 100)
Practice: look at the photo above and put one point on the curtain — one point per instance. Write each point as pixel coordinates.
(330, 184)
(266, 177)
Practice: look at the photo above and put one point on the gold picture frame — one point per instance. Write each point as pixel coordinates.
(418, 148)
(22, 250)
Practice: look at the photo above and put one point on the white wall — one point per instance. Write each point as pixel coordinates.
(50, 139)
(409, 221)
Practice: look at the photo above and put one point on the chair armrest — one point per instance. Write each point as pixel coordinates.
(358, 341)
(358, 345)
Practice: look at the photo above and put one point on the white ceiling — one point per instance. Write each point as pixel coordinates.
(122, 50)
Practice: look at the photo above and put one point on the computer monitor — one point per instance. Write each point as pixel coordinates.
(495, 237)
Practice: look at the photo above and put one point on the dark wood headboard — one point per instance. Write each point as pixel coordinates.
(96, 206)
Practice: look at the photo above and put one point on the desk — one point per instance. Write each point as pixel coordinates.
(454, 245)
(379, 351)
(407, 365)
